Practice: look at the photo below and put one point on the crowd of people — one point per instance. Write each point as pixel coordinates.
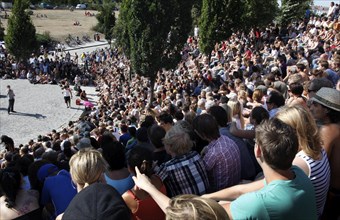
(256, 127)
(42, 69)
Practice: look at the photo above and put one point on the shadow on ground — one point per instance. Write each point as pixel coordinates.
(36, 115)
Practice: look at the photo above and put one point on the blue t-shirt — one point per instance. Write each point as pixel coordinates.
(121, 185)
(59, 190)
(280, 199)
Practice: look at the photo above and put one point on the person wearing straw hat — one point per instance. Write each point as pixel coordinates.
(326, 110)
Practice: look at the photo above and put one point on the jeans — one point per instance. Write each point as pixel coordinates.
(10, 105)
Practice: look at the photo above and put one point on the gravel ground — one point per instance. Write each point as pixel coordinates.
(39, 109)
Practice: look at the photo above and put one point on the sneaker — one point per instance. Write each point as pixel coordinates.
(14, 111)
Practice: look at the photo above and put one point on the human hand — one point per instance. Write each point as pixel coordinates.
(207, 196)
(142, 181)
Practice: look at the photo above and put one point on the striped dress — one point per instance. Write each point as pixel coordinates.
(319, 176)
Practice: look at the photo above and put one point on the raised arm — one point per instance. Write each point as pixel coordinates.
(248, 134)
(143, 182)
(234, 192)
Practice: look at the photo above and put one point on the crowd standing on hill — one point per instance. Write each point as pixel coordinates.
(212, 125)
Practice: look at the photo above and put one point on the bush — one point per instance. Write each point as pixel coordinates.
(29, 11)
(45, 39)
(92, 7)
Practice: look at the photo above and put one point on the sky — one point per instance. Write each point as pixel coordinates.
(325, 2)
(320, 2)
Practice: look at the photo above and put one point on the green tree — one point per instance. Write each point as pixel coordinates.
(121, 31)
(259, 13)
(292, 10)
(196, 12)
(156, 32)
(20, 39)
(219, 19)
(106, 20)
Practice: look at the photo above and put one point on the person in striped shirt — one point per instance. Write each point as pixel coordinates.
(311, 158)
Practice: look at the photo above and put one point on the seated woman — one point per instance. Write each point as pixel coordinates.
(182, 207)
(256, 99)
(311, 158)
(16, 203)
(95, 199)
(83, 95)
(141, 204)
(117, 176)
(237, 116)
(296, 98)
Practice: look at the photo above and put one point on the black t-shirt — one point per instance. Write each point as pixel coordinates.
(161, 157)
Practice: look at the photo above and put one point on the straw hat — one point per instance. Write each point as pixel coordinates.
(328, 97)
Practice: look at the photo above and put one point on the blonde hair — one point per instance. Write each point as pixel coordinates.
(242, 94)
(236, 109)
(192, 207)
(87, 166)
(307, 131)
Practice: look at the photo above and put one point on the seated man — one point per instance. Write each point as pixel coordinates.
(222, 157)
(285, 193)
(223, 119)
(325, 109)
(185, 173)
(58, 190)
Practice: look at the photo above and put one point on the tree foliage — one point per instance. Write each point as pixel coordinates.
(219, 18)
(106, 20)
(20, 39)
(196, 12)
(153, 32)
(121, 30)
(259, 13)
(292, 10)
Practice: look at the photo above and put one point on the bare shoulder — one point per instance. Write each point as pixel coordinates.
(330, 130)
(330, 135)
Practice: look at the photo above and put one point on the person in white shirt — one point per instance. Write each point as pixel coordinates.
(331, 10)
(67, 96)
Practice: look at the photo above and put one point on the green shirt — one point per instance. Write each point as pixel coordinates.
(280, 199)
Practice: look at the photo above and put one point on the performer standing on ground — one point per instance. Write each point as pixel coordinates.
(10, 95)
(67, 95)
